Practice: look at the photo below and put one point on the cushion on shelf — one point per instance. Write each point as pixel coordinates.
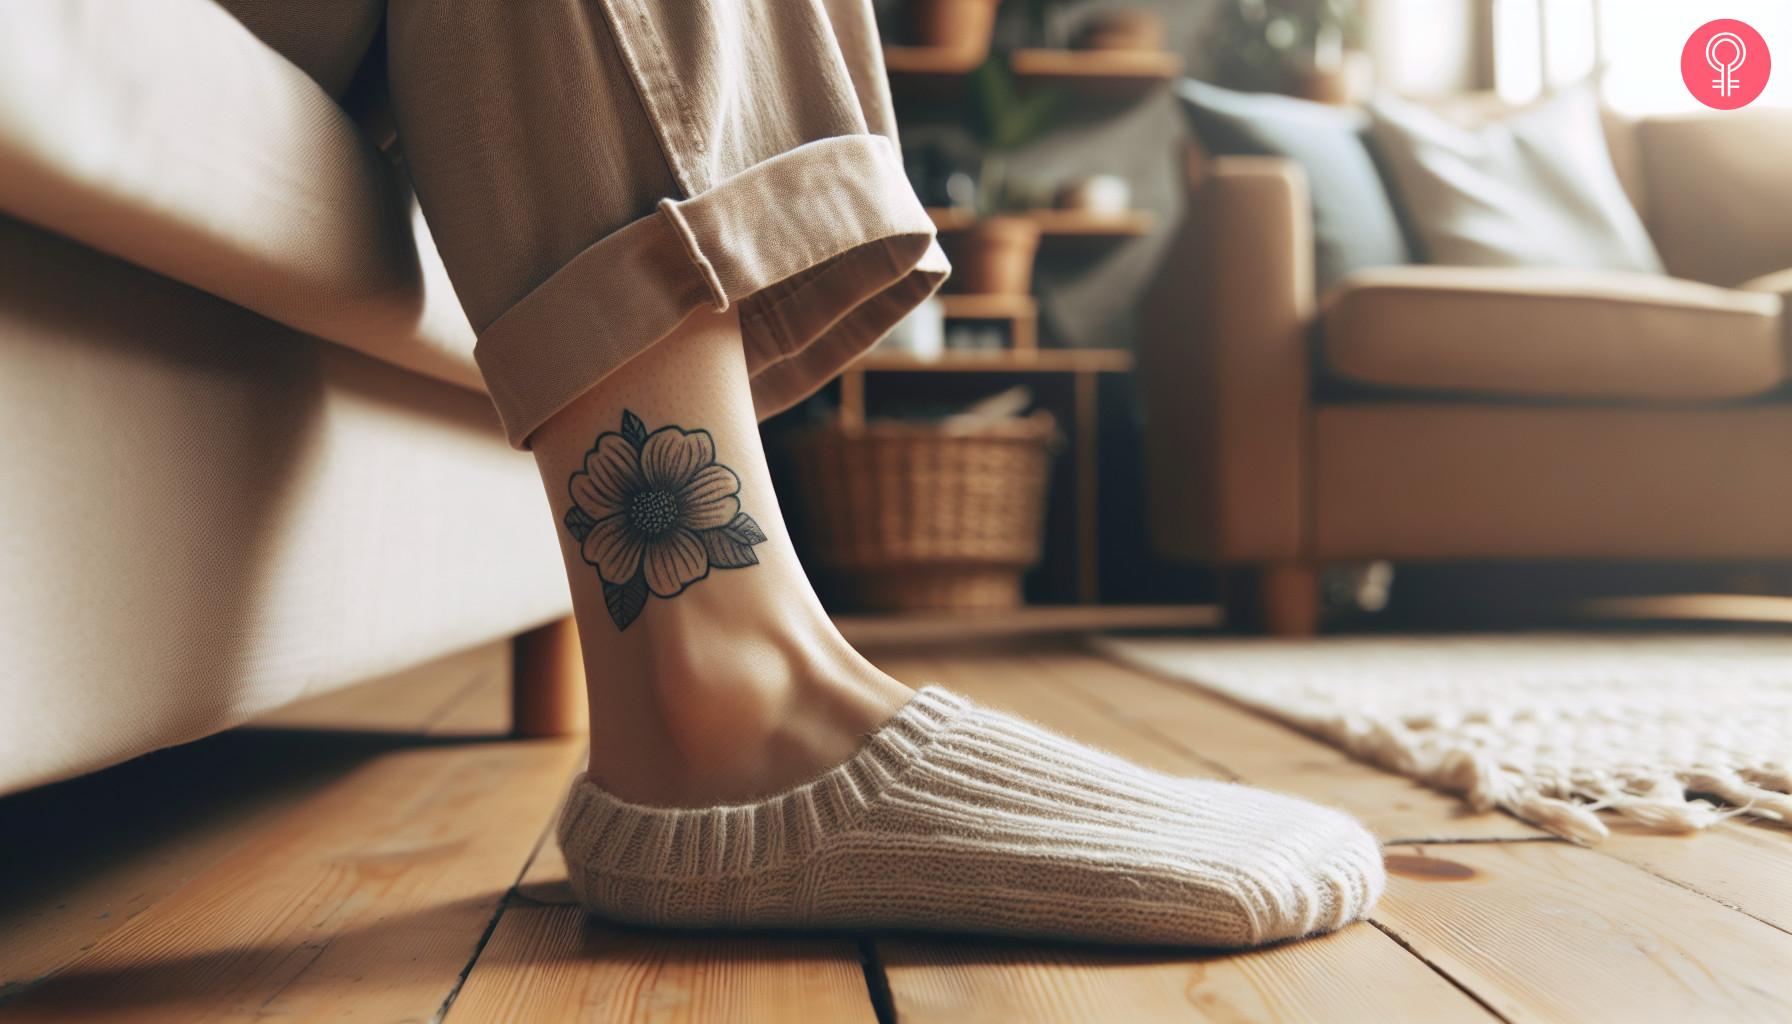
(1354, 225)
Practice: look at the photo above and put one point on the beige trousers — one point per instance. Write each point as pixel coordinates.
(593, 171)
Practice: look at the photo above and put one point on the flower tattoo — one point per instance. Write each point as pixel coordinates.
(655, 512)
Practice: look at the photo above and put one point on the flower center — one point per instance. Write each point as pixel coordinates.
(652, 513)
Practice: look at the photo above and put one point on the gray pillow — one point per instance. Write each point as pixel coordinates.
(1353, 220)
(1533, 188)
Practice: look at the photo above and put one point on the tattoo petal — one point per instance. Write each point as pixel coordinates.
(709, 501)
(671, 457)
(614, 548)
(672, 561)
(612, 473)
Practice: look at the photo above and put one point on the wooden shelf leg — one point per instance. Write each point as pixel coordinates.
(852, 398)
(547, 684)
(1088, 536)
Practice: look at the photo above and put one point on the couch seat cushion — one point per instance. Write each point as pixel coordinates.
(1552, 333)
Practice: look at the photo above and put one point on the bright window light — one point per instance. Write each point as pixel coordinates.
(1547, 44)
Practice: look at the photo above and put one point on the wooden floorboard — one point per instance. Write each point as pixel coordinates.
(554, 963)
(381, 854)
(104, 848)
(1222, 737)
(1745, 865)
(1552, 932)
(941, 980)
(544, 881)
(368, 899)
(1356, 975)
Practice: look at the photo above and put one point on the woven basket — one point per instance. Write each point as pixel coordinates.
(923, 516)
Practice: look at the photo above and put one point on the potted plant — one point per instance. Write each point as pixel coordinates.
(1296, 47)
(962, 27)
(994, 256)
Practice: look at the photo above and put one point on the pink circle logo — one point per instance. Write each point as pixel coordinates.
(1725, 64)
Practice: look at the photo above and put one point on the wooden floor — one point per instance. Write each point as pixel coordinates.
(382, 856)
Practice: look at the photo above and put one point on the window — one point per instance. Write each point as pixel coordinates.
(1546, 44)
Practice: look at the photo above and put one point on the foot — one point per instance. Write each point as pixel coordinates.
(958, 818)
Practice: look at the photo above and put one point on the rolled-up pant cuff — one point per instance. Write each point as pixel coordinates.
(823, 247)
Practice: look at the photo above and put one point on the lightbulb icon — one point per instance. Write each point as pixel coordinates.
(1725, 82)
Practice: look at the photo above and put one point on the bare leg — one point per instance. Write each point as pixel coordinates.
(739, 685)
(748, 768)
(788, 782)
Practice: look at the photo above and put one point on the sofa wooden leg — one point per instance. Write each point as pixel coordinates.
(1288, 599)
(1282, 600)
(547, 684)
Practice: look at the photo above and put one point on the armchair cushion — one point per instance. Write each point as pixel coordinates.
(1535, 187)
(1354, 225)
(1531, 333)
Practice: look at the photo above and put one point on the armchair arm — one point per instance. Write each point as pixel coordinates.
(1224, 359)
(1719, 200)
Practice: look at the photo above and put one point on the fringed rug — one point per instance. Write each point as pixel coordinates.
(1675, 733)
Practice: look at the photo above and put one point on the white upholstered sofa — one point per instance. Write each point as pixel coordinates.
(243, 453)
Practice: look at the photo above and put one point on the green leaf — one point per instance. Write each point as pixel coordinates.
(1001, 116)
(625, 602)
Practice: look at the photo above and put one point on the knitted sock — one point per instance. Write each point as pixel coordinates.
(954, 817)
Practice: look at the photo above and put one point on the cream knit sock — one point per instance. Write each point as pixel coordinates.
(957, 818)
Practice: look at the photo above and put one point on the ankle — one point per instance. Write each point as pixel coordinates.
(730, 714)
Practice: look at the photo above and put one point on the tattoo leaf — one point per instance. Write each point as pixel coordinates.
(731, 546)
(578, 523)
(725, 552)
(743, 529)
(625, 602)
(633, 430)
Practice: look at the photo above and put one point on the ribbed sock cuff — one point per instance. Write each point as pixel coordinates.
(717, 842)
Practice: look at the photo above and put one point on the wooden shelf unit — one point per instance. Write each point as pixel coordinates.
(1083, 365)
(935, 79)
(928, 60)
(1103, 74)
(1039, 360)
(1062, 231)
(1020, 312)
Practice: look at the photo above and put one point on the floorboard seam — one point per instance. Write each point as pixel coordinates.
(1143, 730)
(485, 937)
(1468, 840)
(511, 896)
(1439, 971)
(1702, 894)
(1173, 683)
(877, 982)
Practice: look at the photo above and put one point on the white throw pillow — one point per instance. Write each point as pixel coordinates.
(1533, 188)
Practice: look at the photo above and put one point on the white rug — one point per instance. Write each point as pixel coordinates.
(1675, 732)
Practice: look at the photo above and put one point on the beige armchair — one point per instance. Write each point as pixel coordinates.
(1430, 413)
